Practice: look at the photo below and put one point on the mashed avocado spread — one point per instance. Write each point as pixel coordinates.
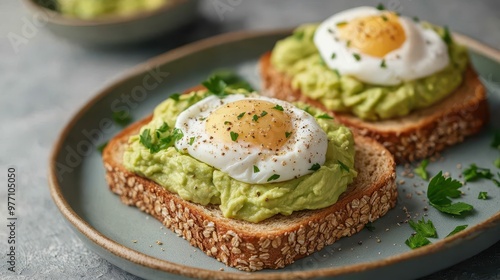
(89, 9)
(198, 182)
(298, 57)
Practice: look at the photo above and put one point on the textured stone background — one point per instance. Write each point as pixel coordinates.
(49, 79)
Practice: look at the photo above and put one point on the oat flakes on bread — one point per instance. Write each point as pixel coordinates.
(274, 242)
(420, 134)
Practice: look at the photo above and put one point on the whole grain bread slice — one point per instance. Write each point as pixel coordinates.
(272, 243)
(420, 134)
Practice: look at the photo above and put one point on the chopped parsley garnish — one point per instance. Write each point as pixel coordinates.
(337, 73)
(298, 35)
(263, 114)
(356, 56)
(325, 116)
(497, 163)
(416, 19)
(234, 135)
(417, 241)
(474, 173)
(384, 18)
(369, 226)
(330, 30)
(426, 229)
(348, 43)
(457, 229)
(278, 107)
(121, 117)
(177, 134)
(343, 166)
(380, 7)
(101, 147)
(483, 195)
(175, 96)
(287, 134)
(191, 140)
(256, 169)
(447, 36)
(163, 128)
(341, 23)
(496, 140)
(255, 118)
(227, 123)
(232, 80)
(240, 115)
(315, 167)
(382, 64)
(146, 140)
(440, 191)
(421, 169)
(333, 56)
(215, 85)
(161, 142)
(273, 177)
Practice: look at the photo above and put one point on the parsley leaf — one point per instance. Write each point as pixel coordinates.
(278, 107)
(421, 171)
(440, 191)
(273, 177)
(483, 195)
(234, 136)
(216, 86)
(146, 140)
(426, 229)
(101, 147)
(457, 229)
(447, 36)
(496, 140)
(341, 23)
(288, 134)
(380, 7)
(325, 116)
(416, 241)
(474, 173)
(315, 167)
(122, 117)
(343, 166)
(255, 118)
(369, 226)
(191, 140)
(256, 169)
(356, 56)
(497, 163)
(175, 96)
(263, 114)
(333, 56)
(163, 128)
(454, 209)
(382, 64)
(233, 80)
(240, 116)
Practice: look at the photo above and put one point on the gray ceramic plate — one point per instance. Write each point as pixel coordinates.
(127, 237)
(114, 30)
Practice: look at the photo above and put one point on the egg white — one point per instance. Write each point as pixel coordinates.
(422, 54)
(306, 146)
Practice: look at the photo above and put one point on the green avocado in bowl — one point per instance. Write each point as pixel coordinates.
(113, 22)
(91, 9)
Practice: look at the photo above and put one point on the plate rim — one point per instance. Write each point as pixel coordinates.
(148, 261)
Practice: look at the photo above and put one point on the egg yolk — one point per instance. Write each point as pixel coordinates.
(260, 123)
(374, 35)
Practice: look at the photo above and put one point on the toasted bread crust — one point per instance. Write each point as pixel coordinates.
(419, 135)
(275, 242)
